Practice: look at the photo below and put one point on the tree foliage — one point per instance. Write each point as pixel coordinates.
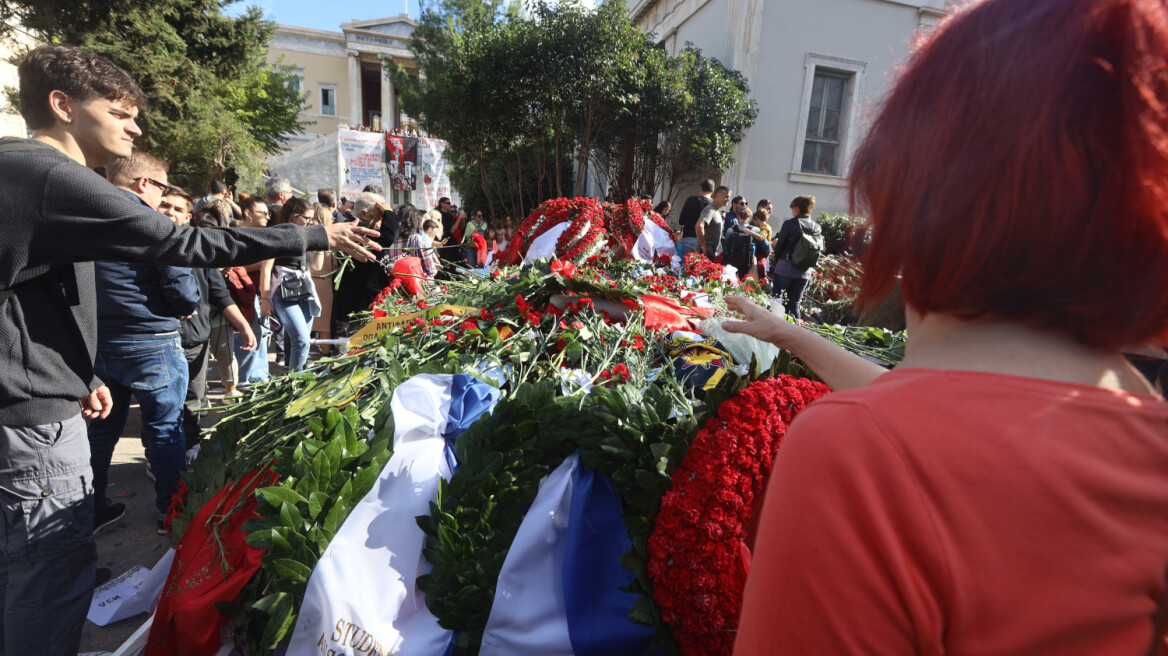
(526, 102)
(216, 106)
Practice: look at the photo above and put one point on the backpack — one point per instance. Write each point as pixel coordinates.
(807, 250)
(738, 251)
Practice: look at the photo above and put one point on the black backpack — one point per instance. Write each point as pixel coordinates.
(807, 250)
(738, 251)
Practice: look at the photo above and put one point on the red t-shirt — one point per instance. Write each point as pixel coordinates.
(943, 512)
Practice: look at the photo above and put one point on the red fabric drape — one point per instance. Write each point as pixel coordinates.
(186, 622)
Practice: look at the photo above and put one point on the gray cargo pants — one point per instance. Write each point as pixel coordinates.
(48, 555)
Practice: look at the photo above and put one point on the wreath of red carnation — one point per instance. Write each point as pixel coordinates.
(698, 546)
(580, 212)
(585, 218)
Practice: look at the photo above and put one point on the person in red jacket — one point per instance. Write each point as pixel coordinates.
(1005, 489)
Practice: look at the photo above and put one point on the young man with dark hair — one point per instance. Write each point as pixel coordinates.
(176, 205)
(59, 216)
(708, 227)
(690, 211)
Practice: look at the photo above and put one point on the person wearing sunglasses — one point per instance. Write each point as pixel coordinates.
(286, 287)
(139, 349)
(475, 224)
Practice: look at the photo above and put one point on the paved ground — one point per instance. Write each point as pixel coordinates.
(134, 540)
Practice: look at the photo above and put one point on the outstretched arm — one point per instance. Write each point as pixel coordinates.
(839, 368)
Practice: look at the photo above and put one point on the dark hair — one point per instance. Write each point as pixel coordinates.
(373, 189)
(804, 203)
(176, 190)
(217, 187)
(761, 216)
(444, 199)
(430, 223)
(722, 188)
(737, 199)
(1064, 207)
(247, 203)
(660, 209)
(743, 215)
(410, 220)
(81, 74)
(327, 196)
(295, 205)
(707, 186)
(210, 216)
(762, 203)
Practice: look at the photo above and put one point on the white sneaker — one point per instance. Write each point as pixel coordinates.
(193, 453)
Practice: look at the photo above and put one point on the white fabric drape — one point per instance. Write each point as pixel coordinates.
(363, 594)
(528, 614)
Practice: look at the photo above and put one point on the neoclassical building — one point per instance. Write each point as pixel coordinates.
(816, 68)
(342, 72)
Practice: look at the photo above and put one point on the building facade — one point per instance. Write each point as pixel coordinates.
(342, 73)
(816, 68)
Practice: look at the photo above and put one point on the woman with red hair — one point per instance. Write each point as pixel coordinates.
(1005, 489)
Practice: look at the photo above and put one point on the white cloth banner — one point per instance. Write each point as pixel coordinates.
(362, 156)
(528, 615)
(362, 597)
(132, 593)
(433, 178)
(544, 246)
(654, 241)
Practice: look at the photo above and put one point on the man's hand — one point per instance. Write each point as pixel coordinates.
(249, 339)
(97, 404)
(353, 239)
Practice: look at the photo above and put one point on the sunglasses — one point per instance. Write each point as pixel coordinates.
(166, 189)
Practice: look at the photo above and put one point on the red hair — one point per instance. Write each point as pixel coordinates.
(1019, 169)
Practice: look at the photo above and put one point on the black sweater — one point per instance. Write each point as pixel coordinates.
(58, 216)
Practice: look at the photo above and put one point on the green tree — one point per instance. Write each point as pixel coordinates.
(527, 103)
(713, 122)
(216, 106)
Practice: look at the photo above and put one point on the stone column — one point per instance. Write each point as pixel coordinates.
(355, 117)
(388, 106)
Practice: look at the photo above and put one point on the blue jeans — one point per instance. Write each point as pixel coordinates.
(48, 555)
(686, 246)
(253, 365)
(155, 372)
(297, 324)
(794, 288)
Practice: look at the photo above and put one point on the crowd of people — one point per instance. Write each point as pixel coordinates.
(726, 231)
(1001, 491)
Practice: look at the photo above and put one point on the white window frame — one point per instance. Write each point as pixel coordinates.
(320, 98)
(858, 72)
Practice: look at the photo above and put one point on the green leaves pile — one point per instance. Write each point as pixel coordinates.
(324, 477)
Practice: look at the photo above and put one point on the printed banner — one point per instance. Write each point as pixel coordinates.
(378, 327)
(401, 159)
(434, 176)
(361, 155)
